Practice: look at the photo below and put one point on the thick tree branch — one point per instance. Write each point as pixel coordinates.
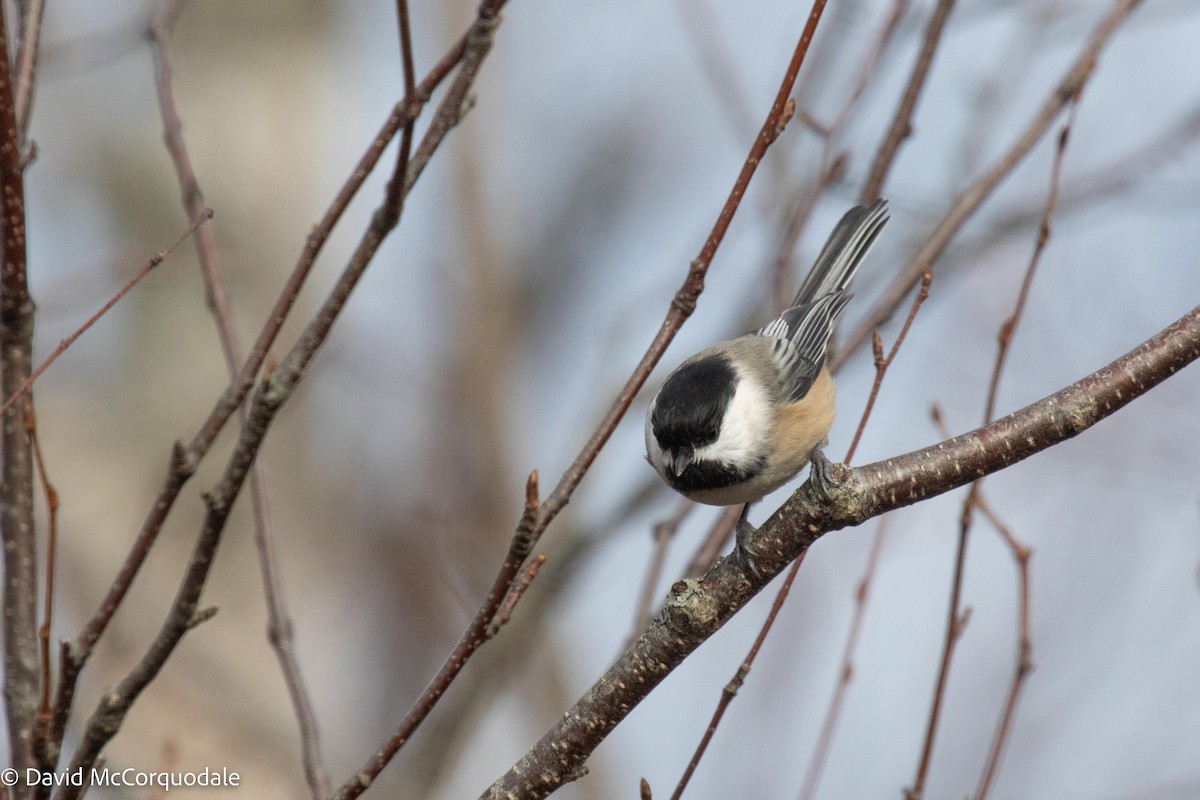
(21, 672)
(696, 609)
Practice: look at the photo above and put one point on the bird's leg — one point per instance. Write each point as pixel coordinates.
(741, 538)
(821, 473)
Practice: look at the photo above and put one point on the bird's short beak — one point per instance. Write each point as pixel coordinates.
(680, 460)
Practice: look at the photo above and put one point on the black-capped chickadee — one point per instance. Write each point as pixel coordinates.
(739, 419)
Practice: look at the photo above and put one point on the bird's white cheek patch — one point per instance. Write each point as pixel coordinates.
(744, 428)
(654, 453)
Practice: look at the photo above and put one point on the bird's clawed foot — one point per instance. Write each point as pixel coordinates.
(743, 551)
(821, 474)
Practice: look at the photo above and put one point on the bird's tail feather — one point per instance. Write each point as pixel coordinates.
(843, 251)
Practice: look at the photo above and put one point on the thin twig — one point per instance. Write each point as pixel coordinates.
(697, 609)
(816, 764)
(279, 622)
(969, 201)
(664, 532)
(51, 495)
(28, 45)
(882, 363)
(735, 683)
(515, 593)
(63, 344)
(956, 621)
(396, 187)
(1024, 660)
(901, 127)
(21, 665)
(714, 543)
(1009, 327)
(833, 165)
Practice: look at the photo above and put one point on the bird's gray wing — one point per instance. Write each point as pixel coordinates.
(801, 335)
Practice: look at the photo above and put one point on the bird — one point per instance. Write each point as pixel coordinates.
(739, 419)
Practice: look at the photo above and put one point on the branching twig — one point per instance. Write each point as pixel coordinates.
(969, 201)
(1021, 553)
(901, 127)
(158, 258)
(698, 608)
(184, 459)
(1024, 663)
(816, 764)
(735, 683)
(953, 626)
(279, 623)
(515, 593)
(269, 398)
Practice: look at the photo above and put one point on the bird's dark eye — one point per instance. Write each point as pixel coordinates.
(692, 402)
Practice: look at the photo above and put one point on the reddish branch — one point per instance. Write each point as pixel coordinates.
(956, 616)
(698, 608)
(684, 302)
